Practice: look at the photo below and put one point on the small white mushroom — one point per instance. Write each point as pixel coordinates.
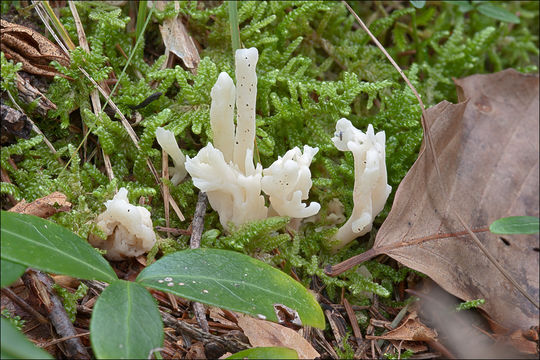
(128, 228)
(370, 183)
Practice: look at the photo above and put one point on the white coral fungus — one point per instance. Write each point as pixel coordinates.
(287, 182)
(370, 185)
(128, 229)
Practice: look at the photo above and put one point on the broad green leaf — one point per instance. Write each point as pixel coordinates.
(266, 353)
(42, 244)
(10, 272)
(497, 12)
(233, 281)
(418, 3)
(16, 346)
(126, 323)
(515, 225)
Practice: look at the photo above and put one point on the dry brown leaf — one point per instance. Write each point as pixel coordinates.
(177, 40)
(411, 330)
(218, 315)
(265, 333)
(487, 148)
(43, 207)
(32, 49)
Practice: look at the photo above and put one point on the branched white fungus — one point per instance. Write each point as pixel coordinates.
(236, 197)
(287, 182)
(128, 228)
(370, 184)
(225, 169)
(166, 140)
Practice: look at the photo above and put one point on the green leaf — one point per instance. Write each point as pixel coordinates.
(233, 281)
(418, 3)
(10, 272)
(16, 346)
(126, 323)
(497, 12)
(515, 225)
(42, 244)
(265, 353)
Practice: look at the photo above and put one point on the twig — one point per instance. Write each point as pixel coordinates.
(197, 226)
(19, 301)
(173, 231)
(94, 95)
(198, 221)
(429, 141)
(166, 194)
(230, 344)
(56, 341)
(35, 128)
(354, 322)
(41, 284)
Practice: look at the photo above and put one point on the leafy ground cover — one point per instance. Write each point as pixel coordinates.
(315, 66)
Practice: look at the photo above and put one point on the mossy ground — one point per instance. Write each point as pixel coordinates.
(315, 67)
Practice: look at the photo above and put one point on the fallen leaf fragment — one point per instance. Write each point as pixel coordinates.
(32, 49)
(522, 344)
(410, 330)
(177, 40)
(262, 333)
(43, 207)
(218, 315)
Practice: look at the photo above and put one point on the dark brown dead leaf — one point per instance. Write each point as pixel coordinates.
(487, 148)
(263, 333)
(177, 40)
(43, 207)
(32, 49)
(410, 330)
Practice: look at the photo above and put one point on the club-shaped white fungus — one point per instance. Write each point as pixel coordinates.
(166, 140)
(287, 182)
(246, 101)
(222, 115)
(370, 184)
(128, 228)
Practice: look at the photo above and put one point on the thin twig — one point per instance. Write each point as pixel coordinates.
(230, 344)
(24, 305)
(94, 95)
(354, 322)
(56, 341)
(197, 226)
(35, 128)
(41, 284)
(166, 194)
(429, 141)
